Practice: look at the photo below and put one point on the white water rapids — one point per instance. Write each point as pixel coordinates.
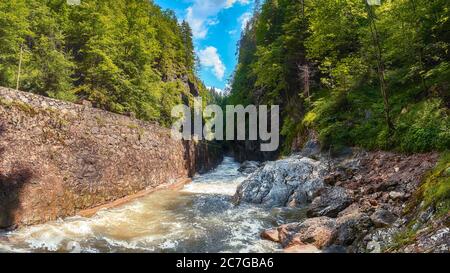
(199, 218)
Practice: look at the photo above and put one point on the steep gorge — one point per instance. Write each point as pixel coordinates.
(59, 158)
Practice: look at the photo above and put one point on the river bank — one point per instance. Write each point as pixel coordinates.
(364, 202)
(199, 218)
(360, 203)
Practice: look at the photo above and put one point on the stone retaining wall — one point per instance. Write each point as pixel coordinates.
(58, 158)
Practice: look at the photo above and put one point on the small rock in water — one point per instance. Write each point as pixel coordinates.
(249, 167)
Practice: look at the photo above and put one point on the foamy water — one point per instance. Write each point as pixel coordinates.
(200, 218)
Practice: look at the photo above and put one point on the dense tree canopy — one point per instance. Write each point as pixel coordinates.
(373, 76)
(122, 55)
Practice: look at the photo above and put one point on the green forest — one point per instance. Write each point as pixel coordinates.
(357, 74)
(125, 56)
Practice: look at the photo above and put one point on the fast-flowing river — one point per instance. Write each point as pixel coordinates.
(199, 218)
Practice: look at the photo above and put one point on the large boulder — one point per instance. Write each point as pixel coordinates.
(291, 181)
(330, 202)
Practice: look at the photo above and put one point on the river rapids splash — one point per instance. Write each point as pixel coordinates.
(199, 218)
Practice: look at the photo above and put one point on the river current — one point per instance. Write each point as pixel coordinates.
(199, 218)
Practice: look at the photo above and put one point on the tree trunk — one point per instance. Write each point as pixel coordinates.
(20, 67)
(418, 44)
(304, 74)
(380, 68)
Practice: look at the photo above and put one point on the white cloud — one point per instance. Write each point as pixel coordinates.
(218, 90)
(230, 3)
(244, 19)
(203, 13)
(210, 58)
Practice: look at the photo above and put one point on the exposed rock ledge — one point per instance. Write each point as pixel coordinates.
(355, 206)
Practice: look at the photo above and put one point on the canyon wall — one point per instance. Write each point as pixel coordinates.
(58, 158)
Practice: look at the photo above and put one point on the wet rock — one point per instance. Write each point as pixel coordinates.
(249, 167)
(271, 235)
(319, 232)
(330, 202)
(382, 218)
(292, 180)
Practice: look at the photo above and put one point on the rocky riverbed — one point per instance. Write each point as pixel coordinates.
(365, 202)
(362, 202)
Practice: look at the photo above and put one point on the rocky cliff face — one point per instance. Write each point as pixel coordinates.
(357, 203)
(57, 158)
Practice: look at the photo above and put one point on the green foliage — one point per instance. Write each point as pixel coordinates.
(436, 188)
(424, 127)
(356, 119)
(351, 51)
(123, 55)
(290, 131)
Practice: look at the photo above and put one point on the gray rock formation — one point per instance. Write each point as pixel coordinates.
(293, 181)
(330, 202)
(351, 223)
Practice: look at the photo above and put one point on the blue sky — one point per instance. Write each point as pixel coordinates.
(217, 27)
